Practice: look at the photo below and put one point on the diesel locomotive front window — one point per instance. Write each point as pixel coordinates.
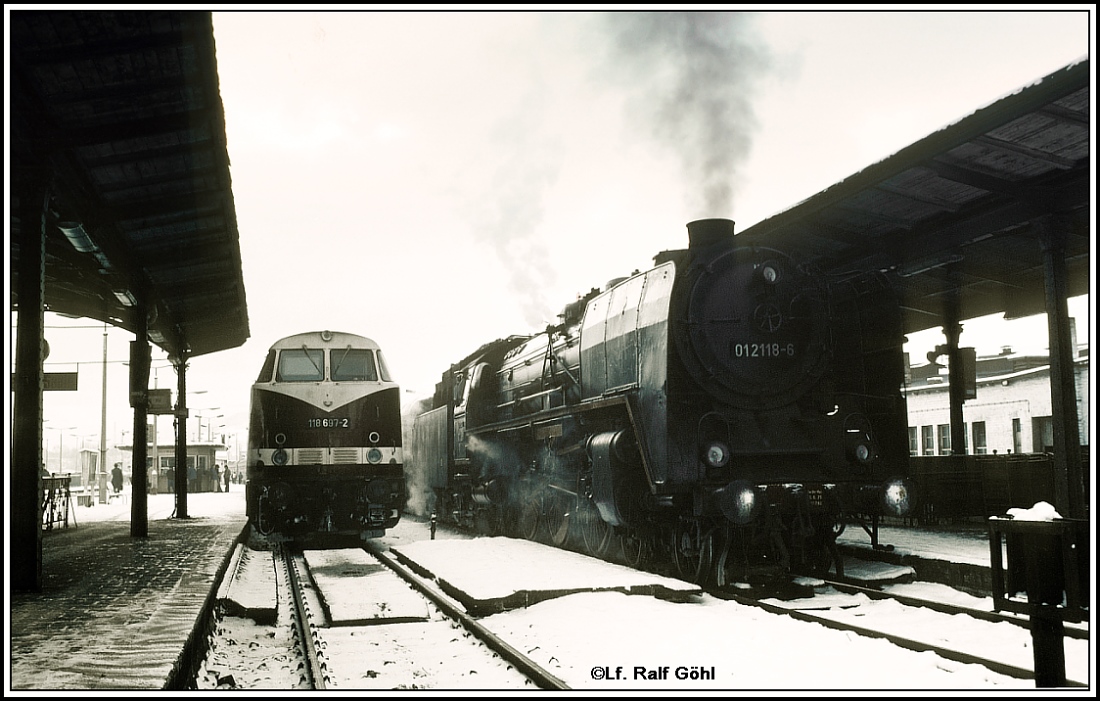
(383, 369)
(351, 365)
(269, 367)
(301, 365)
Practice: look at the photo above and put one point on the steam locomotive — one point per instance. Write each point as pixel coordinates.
(728, 411)
(325, 461)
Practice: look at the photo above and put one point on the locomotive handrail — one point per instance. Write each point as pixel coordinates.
(555, 413)
(529, 397)
(612, 391)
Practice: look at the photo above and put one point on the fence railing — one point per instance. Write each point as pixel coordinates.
(958, 487)
(57, 502)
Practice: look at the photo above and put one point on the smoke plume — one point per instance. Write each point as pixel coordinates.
(692, 77)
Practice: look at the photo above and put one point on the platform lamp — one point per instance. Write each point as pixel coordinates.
(199, 415)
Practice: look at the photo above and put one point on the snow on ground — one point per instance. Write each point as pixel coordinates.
(162, 506)
(611, 641)
(967, 544)
(492, 568)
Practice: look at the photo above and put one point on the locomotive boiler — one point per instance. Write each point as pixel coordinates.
(325, 457)
(729, 410)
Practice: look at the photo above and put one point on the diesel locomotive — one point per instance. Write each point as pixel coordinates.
(728, 411)
(325, 460)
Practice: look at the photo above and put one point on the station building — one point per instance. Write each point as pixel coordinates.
(1010, 414)
(202, 455)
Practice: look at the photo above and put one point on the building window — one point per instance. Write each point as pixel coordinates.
(914, 445)
(167, 461)
(1042, 434)
(978, 429)
(929, 440)
(1017, 436)
(944, 431)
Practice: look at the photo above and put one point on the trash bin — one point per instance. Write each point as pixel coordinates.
(1046, 577)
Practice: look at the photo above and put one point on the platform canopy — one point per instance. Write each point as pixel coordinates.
(965, 211)
(118, 151)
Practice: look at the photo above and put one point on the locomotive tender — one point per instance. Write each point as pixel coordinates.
(729, 409)
(325, 456)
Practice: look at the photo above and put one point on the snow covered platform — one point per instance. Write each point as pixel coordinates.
(248, 590)
(356, 589)
(957, 556)
(492, 575)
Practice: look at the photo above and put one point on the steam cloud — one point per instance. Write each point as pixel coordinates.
(692, 75)
(689, 77)
(509, 219)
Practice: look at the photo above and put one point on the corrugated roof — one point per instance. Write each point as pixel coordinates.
(964, 208)
(120, 115)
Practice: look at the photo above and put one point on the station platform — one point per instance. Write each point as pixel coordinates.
(117, 612)
(957, 555)
(122, 613)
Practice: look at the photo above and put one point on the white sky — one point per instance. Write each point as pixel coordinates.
(437, 180)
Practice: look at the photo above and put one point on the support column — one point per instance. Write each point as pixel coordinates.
(1069, 485)
(26, 450)
(140, 355)
(181, 436)
(956, 385)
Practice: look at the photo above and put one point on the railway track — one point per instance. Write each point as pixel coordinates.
(448, 647)
(859, 604)
(311, 641)
(949, 609)
(303, 618)
(540, 676)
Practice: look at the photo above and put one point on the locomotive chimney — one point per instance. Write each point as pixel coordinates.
(707, 232)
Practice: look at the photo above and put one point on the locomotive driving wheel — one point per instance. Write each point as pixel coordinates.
(633, 547)
(558, 515)
(692, 551)
(594, 530)
(530, 517)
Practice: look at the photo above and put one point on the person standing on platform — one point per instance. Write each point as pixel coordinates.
(116, 478)
(225, 474)
(216, 477)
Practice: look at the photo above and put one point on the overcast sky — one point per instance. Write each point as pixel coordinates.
(437, 180)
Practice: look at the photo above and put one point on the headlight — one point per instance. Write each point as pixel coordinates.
(279, 457)
(769, 272)
(861, 452)
(895, 498)
(716, 454)
(374, 456)
(739, 502)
